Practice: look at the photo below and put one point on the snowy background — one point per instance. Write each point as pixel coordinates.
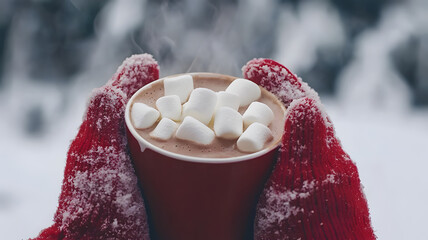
(368, 59)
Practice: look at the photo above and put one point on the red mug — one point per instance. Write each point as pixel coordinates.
(190, 197)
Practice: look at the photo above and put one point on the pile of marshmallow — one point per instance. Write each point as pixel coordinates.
(201, 108)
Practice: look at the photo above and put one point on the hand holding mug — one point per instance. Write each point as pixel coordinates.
(314, 191)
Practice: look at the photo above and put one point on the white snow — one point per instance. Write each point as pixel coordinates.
(391, 152)
(274, 81)
(31, 170)
(382, 133)
(280, 204)
(389, 149)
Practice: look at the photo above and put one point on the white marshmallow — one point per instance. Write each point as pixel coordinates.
(184, 109)
(201, 105)
(143, 116)
(258, 112)
(228, 123)
(246, 90)
(181, 86)
(193, 130)
(254, 138)
(226, 99)
(169, 107)
(164, 130)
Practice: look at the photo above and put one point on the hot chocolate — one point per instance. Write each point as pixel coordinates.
(219, 147)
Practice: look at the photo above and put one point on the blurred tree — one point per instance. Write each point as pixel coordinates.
(58, 34)
(54, 40)
(411, 61)
(360, 14)
(323, 75)
(6, 13)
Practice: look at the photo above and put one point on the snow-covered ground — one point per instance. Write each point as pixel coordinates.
(391, 153)
(390, 150)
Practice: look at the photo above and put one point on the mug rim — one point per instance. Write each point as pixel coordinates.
(183, 157)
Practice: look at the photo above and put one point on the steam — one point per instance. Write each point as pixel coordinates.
(198, 36)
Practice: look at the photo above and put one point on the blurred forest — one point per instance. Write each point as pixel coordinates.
(53, 42)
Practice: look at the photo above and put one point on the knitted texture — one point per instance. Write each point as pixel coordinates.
(314, 191)
(100, 198)
(278, 80)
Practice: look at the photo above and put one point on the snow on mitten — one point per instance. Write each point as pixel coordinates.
(100, 198)
(278, 80)
(314, 191)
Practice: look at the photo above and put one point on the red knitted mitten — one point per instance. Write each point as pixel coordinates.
(314, 191)
(278, 80)
(100, 198)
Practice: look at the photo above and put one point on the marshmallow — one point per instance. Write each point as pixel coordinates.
(184, 109)
(169, 107)
(181, 86)
(226, 99)
(246, 90)
(201, 105)
(194, 131)
(143, 116)
(258, 112)
(228, 123)
(254, 138)
(164, 130)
